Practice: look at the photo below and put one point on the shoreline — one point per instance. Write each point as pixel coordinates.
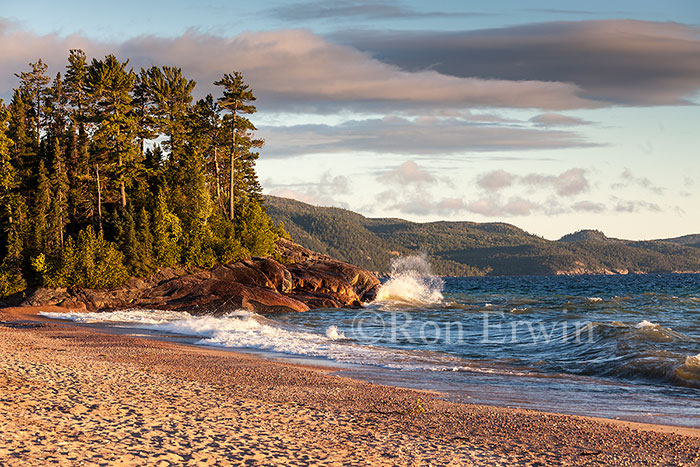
(53, 383)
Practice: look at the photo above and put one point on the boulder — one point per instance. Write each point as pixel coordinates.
(263, 285)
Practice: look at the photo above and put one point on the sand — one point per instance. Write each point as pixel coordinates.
(71, 395)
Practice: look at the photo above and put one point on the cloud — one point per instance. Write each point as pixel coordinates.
(303, 196)
(635, 206)
(611, 61)
(588, 206)
(495, 180)
(569, 183)
(408, 172)
(426, 136)
(422, 206)
(354, 9)
(629, 179)
(295, 70)
(555, 119)
(493, 207)
(411, 190)
(321, 193)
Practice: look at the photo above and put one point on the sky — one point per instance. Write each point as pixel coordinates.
(554, 116)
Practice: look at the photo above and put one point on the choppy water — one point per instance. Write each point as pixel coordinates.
(612, 346)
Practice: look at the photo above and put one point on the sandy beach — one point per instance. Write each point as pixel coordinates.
(72, 395)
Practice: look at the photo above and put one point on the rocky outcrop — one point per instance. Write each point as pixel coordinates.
(264, 285)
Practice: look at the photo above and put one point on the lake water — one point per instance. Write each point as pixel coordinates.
(613, 346)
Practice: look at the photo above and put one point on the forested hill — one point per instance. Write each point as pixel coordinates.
(470, 248)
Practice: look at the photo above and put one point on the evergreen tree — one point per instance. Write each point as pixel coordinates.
(59, 200)
(25, 149)
(11, 248)
(236, 99)
(109, 85)
(91, 262)
(167, 232)
(76, 77)
(81, 202)
(171, 94)
(206, 127)
(41, 208)
(33, 85)
(143, 103)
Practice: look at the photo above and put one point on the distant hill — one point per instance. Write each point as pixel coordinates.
(470, 248)
(688, 240)
(585, 236)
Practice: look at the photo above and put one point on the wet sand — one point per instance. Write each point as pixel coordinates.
(72, 395)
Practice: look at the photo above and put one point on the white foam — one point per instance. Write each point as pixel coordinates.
(411, 282)
(140, 316)
(333, 333)
(594, 299)
(246, 330)
(645, 324)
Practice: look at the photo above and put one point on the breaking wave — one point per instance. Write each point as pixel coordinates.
(689, 372)
(246, 330)
(411, 283)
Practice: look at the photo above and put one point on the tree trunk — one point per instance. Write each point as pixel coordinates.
(122, 188)
(233, 161)
(218, 178)
(99, 195)
(230, 188)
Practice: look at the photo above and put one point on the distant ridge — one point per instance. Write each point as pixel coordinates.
(585, 236)
(688, 240)
(471, 248)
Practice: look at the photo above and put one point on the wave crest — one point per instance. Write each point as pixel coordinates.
(689, 372)
(411, 282)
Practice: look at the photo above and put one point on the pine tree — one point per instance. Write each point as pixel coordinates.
(81, 201)
(143, 103)
(109, 85)
(59, 200)
(76, 77)
(41, 208)
(33, 84)
(236, 99)
(24, 150)
(206, 127)
(171, 94)
(11, 279)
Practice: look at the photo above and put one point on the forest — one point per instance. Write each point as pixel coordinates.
(107, 172)
(476, 249)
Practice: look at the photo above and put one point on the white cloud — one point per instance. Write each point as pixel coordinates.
(408, 172)
(494, 207)
(495, 180)
(588, 206)
(422, 136)
(569, 183)
(321, 193)
(629, 179)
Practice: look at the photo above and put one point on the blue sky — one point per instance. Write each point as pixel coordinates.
(553, 116)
